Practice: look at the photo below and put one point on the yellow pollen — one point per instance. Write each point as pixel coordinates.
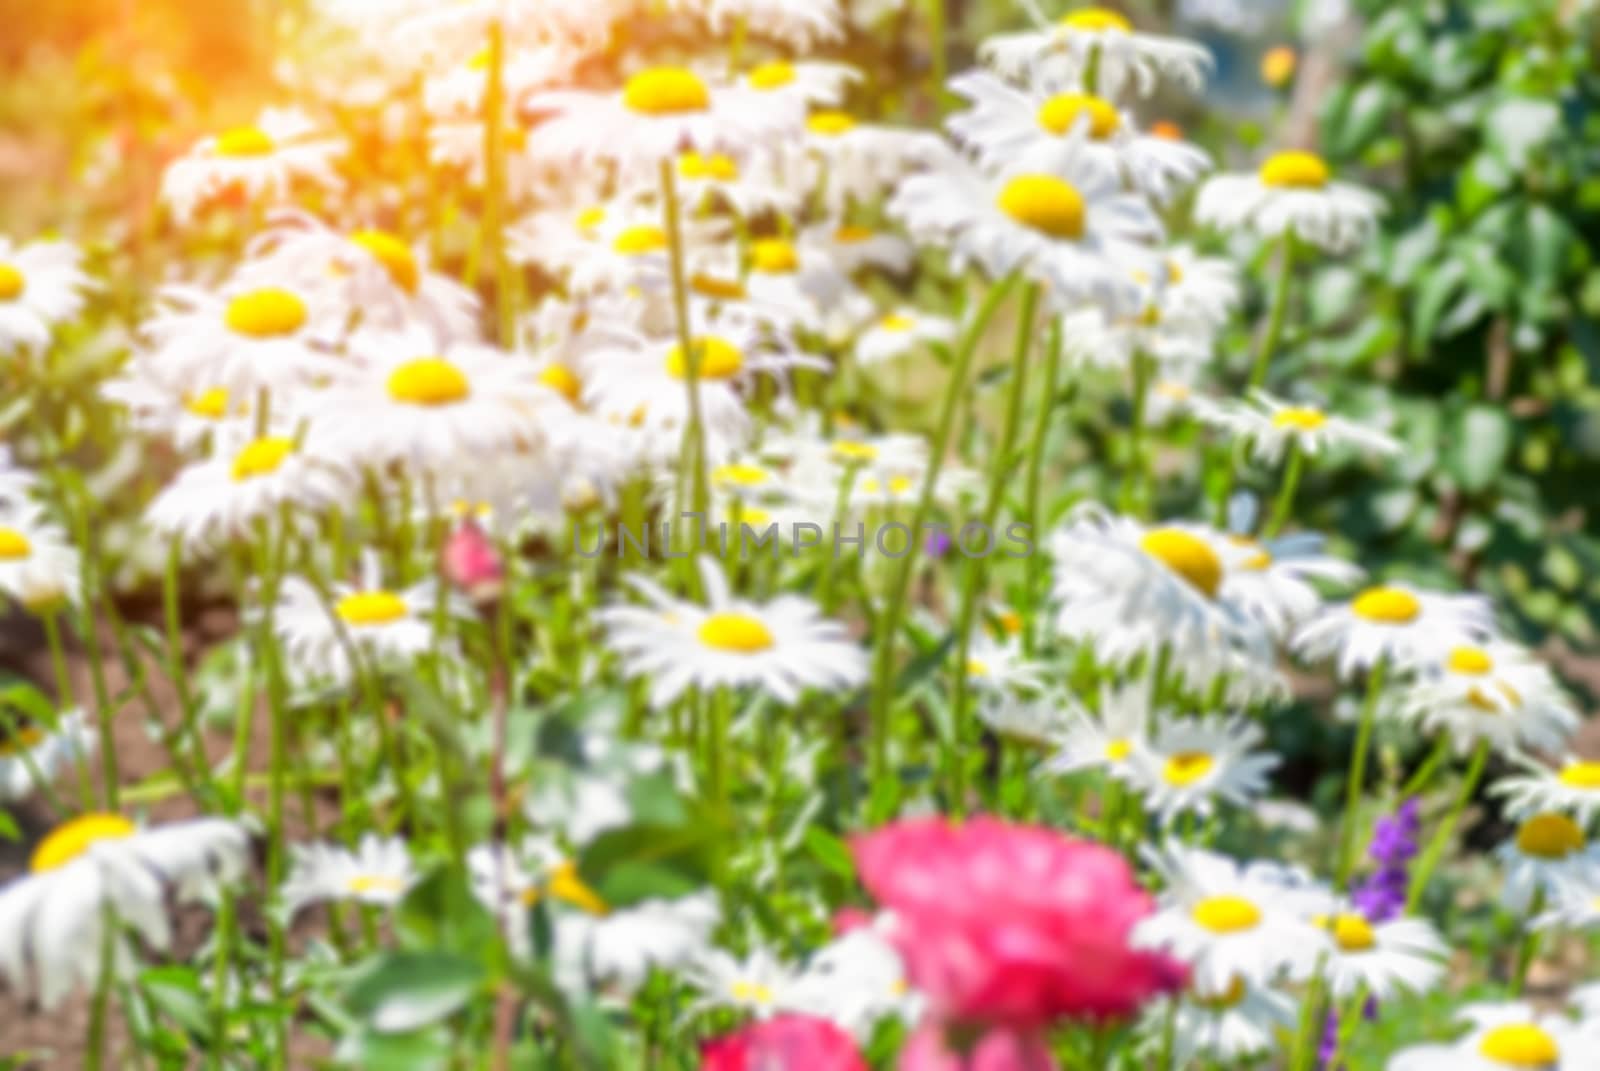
(1044, 203)
(774, 75)
(1187, 767)
(211, 404)
(1550, 836)
(1351, 932)
(244, 141)
(1228, 998)
(639, 239)
(1187, 555)
(559, 378)
(850, 234)
(897, 323)
(70, 840)
(12, 282)
(1386, 606)
(261, 458)
(735, 633)
(370, 608)
(1097, 19)
(719, 166)
(374, 883)
(719, 359)
(266, 313)
(1277, 66)
(395, 256)
(751, 992)
(24, 739)
(1520, 1045)
(590, 219)
(739, 475)
(831, 124)
(1295, 170)
(14, 546)
(774, 256)
(1470, 661)
(1226, 914)
(1061, 113)
(1299, 418)
(1584, 775)
(666, 91)
(429, 381)
(1118, 750)
(849, 450)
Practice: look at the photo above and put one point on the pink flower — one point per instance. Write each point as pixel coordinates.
(929, 1049)
(847, 919)
(471, 563)
(1012, 925)
(786, 1043)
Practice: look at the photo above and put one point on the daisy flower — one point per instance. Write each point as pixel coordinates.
(1188, 764)
(41, 287)
(848, 160)
(1074, 230)
(457, 145)
(99, 866)
(1229, 921)
(1504, 1037)
(376, 873)
(854, 248)
(802, 83)
(261, 162)
(1272, 427)
(1492, 691)
(459, 91)
(1095, 337)
(758, 983)
(1393, 622)
(1278, 582)
(224, 497)
(1571, 907)
(711, 181)
(39, 566)
(902, 332)
(658, 113)
(31, 755)
(855, 981)
(1548, 855)
(807, 285)
(511, 882)
(781, 647)
(605, 246)
(186, 415)
(1011, 127)
(1380, 959)
(615, 952)
(382, 281)
(1046, 720)
(801, 24)
(1000, 667)
(1200, 286)
(1059, 55)
(1228, 1024)
(1572, 789)
(1112, 739)
(1292, 193)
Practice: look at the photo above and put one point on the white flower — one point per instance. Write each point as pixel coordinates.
(797, 23)
(511, 882)
(854, 247)
(262, 161)
(1271, 427)
(459, 91)
(41, 286)
(458, 145)
(1493, 691)
(1393, 622)
(1570, 907)
(1195, 285)
(1573, 789)
(1111, 739)
(848, 160)
(1292, 193)
(1227, 1024)
(904, 331)
(802, 82)
(855, 981)
(53, 918)
(175, 407)
(378, 873)
(617, 951)
(758, 983)
(1379, 959)
(1547, 856)
(1058, 56)
(781, 647)
(31, 756)
(1504, 1037)
(38, 566)
(605, 246)
(1277, 582)
(1189, 763)
(1094, 337)
(998, 667)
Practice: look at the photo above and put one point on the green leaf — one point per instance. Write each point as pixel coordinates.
(647, 860)
(831, 852)
(176, 993)
(1476, 453)
(404, 991)
(440, 914)
(8, 828)
(418, 1050)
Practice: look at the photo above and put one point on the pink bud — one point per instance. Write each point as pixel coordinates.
(471, 563)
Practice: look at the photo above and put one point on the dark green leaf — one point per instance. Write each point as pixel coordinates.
(403, 991)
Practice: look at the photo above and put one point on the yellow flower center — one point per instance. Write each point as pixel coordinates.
(1386, 606)
(751, 992)
(752, 515)
(70, 840)
(1046, 204)
(429, 381)
(977, 667)
(590, 219)
(24, 739)
(1351, 932)
(1228, 998)
(12, 282)
(1277, 66)
(564, 884)
(14, 546)
(666, 91)
(1118, 750)
(1299, 418)
(713, 287)
(362, 884)
(719, 359)
(898, 485)
(1187, 555)
(1010, 622)
(395, 256)
(774, 256)
(1520, 1045)
(897, 323)
(559, 378)
(740, 475)
(1226, 914)
(1550, 836)
(735, 633)
(211, 404)
(1584, 775)
(244, 141)
(370, 608)
(1063, 111)
(261, 458)
(850, 234)
(266, 313)
(1295, 170)
(640, 239)
(849, 450)
(1187, 767)
(831, 124)
(719, 166)
(1483, 701)
(1174, 272)
(774, 75)
(1097, 19)
(1470, 661)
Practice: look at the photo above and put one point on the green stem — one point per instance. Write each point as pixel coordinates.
(1429, 767)
(1441, 837)
(938, 45)
(1041, 426)
(1528, 948)
(1285, 501)
(972, 590)
(64, 698)
(95, 1054)
(1358, 771)
(1136, 493)
(887, 633)
(176, 667)
(694, 443)
(1277, 315)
